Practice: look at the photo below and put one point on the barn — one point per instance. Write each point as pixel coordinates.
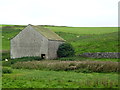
(35, 40)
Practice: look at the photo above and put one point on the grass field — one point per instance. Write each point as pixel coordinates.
(53, 79)
(83, 39)
(84, 30)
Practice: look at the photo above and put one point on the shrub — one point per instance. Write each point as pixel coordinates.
(6, 70)
(65, 50)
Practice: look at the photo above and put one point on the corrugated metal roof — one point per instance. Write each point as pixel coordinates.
(47, 33)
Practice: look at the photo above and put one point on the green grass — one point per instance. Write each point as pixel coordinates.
(98, 39)
(83, 39)
(92, 43)
(8, 32)
(84, 30)
(61, 79)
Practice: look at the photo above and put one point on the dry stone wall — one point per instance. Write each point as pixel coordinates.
(102, 55)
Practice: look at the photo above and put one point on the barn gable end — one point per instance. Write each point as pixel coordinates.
(32, 42)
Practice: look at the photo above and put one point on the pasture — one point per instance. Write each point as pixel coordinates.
(83, 39)
(29, 73)
(58, 79)
(84, 30)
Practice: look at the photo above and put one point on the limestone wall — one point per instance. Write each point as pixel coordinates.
(102, 55)
(29, 43)
(52, 48)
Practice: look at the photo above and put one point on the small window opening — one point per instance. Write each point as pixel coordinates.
(43, 56)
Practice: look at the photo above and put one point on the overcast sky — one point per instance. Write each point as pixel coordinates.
(76, 13)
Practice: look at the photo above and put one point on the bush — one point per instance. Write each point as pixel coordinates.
(65, 50)
(6, 70)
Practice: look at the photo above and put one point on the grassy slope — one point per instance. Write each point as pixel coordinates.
(90, 39)
(61, 79)
(83, 39)
(9, 31)
(92, 43)
(54, 79)
(84, 30)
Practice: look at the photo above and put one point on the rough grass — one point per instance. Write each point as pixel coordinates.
(92, 43)
(83, 39)
(80, 66)
(53, 79)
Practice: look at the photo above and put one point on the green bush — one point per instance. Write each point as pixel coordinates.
(6, 70)
(65, 50)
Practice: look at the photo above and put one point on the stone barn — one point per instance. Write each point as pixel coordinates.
(35, 41)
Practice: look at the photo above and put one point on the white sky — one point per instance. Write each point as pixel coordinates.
(76, 13)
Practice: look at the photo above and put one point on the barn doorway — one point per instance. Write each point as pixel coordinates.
(43, 56)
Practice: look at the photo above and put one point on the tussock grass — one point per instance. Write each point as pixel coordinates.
(78, 66)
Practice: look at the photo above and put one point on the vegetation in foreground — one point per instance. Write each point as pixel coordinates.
(78, 66)
(83, 39)
(58, 79)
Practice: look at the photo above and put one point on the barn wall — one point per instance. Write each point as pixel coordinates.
(29, 43)
(52, 48)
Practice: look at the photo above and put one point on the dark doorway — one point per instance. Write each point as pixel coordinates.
(43, 56)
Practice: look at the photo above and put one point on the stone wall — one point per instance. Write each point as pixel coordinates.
(102, 55)
(28, 43)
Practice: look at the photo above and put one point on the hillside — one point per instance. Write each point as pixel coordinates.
(68, 72)
(83, 39)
